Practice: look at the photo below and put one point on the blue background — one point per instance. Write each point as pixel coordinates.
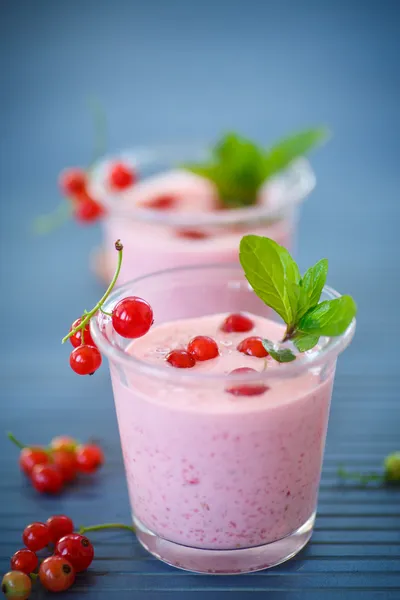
(182, 70)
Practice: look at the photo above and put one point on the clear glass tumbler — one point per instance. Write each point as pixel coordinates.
(162, 239)
(217, 483)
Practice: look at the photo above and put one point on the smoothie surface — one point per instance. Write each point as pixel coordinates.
(161, 339)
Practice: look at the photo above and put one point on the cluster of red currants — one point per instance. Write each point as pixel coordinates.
(74, 185)
(202, 348)
(73, 553)
(131, 318)
(50, 468)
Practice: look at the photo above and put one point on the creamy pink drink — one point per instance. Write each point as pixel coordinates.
(223, 468)
(172, 218)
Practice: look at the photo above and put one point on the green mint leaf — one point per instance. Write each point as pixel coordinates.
(305, 342)
(314, 280)
(272, 273)
(284, 152)
(282, 355)
(330, 318)
(311, 286)
(239, 167)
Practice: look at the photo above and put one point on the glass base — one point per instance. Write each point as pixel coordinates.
(224, 562)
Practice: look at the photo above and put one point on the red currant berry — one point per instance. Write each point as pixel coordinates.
(192, 234)
(30, 457)
(203, 348)
(24, 560)
(237, 323)
(76, 339)
(163, 202)
(121, 176)
(252, 346)
(47, 479)
(59, 525)
(132, 317)
(73, 182)
(56, 574)
(85, 360)
(16, 585)
(66, 463)
(89, 458)
(77, 549)
(64, 442)
(87, 210)
(36, 536)
(249, 389)
(180, 359)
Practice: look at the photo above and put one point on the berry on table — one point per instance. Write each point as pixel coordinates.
(77, 549)
(59, 525)
(30, 457)
(181, 359)
(66, 463)
(85, 360)
(203, 347)
(237, 323)
(162, 202)
(121, 176)
(73, 182)
(76, 338)
(89, 458)
(253, 346)
(392, 467)
(47, 479)
(24, 560)
(56, 574)
(248, 389)
(16, 585)
(36, 536)
(390, 475)
(132, 317)
(64, 442)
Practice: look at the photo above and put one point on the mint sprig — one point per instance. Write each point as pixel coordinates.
(238, 167)
(275, 278)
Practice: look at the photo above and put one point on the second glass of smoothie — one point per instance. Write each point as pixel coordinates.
(171, 217)
(223, 467)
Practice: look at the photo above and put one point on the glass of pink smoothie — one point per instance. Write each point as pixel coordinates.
(223, 469)
(192, 230)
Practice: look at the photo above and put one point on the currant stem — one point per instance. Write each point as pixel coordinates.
(83, 332)
(105, 312)
(100, 129)
(13, 439)
(361, 478)
(47, 223)
(33, 576)
(89, 315)
(83, 530)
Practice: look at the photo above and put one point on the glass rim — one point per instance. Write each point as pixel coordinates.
(332, 347)
(299, 172)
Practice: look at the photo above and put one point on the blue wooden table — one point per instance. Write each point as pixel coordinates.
(182, 70)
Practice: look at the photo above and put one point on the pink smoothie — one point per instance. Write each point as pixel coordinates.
(209, 469)
(203, 238)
